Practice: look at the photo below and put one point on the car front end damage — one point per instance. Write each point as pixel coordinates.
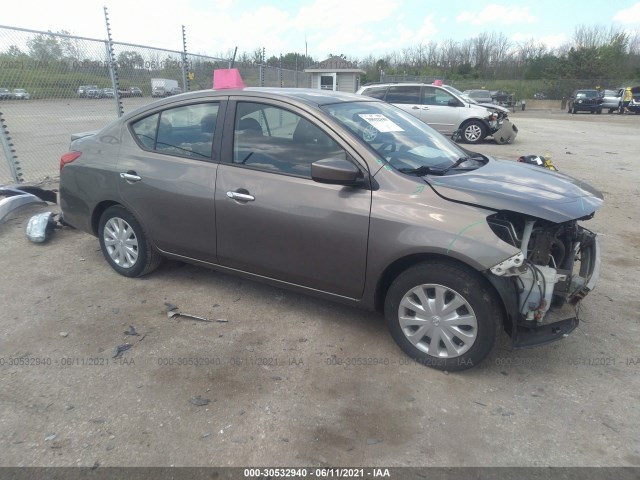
(500, 127)
(557, 266)
(551, 262)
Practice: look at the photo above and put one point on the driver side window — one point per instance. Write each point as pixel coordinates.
(277, 140)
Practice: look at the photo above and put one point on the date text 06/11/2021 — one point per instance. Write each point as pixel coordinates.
(317, 472)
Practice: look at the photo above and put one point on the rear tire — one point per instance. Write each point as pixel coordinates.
(125, 245)
(443, 315)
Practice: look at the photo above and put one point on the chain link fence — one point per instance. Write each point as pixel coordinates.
(53, 85)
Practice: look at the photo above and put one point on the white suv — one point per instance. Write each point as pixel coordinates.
(446, 111)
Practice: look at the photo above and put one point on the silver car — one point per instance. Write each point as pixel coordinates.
(20, 94)
(612, 99)
(447, 110)
(345, 197)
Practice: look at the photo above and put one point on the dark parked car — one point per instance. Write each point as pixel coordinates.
(5, 94)
(585, 101)
(345, 197)
(634, 105)
(480, 96)
(502, 98)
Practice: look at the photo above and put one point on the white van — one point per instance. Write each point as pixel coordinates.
(443, 109)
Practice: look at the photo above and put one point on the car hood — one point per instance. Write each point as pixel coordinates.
(518, 187)
(493, 106)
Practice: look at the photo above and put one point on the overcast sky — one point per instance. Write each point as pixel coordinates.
(356, 28)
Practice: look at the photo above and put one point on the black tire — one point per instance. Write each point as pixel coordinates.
(574, 111)
(599, 111)
(139, 258)
(611, 110)
(473, 132)
(447, 281)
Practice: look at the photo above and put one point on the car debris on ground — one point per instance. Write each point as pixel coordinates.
(15, 196)
(173, 312)
(40, 226)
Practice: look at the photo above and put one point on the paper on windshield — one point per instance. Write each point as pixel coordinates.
(380, 122)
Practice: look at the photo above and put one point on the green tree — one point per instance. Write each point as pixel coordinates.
(130, 59)
(44, 48)
(14, 51)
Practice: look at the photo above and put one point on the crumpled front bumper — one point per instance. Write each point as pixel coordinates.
(559, 323)
(507, 133)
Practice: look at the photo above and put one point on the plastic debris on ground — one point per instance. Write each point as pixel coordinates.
(538, 160)
(173, 312)
(40, 226)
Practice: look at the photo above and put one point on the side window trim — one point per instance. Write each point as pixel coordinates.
(227, 133)
(217, 135)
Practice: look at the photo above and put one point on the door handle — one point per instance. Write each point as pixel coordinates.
(241, 197)
(415, 107)
(130, 176)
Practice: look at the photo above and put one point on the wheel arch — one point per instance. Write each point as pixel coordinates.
(98, 211)
(392, 272)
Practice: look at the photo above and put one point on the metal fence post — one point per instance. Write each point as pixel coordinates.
(10, 152)
(113, 67)
(185, 77)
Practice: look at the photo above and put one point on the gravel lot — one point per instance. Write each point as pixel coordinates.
(276, 397)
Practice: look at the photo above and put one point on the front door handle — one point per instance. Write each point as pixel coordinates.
(130, 176)
(241, 197)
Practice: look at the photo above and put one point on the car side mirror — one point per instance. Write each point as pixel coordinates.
(453, 103)
(336, 171)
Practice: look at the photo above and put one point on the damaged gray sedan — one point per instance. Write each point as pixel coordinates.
(347, 198)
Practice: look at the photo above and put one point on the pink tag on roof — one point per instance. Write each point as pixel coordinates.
(438, 83)
(224, 78)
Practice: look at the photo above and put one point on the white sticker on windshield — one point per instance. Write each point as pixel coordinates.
(380, 122)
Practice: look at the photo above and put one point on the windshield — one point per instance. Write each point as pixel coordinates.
(457, 92)
(398, 138)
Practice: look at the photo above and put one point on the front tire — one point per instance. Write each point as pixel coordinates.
(473, 132)
(125, 245)
(443, 315)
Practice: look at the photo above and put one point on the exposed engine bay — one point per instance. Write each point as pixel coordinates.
(558, 263)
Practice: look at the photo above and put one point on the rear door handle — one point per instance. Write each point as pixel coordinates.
(241, 197)
(130, 176)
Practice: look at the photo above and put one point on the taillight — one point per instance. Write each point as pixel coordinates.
(68, 158)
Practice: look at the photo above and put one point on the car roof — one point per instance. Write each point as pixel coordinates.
(308, 96)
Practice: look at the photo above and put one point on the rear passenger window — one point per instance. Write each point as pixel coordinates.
(404, 94)
(277, 140)
(186, 131)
